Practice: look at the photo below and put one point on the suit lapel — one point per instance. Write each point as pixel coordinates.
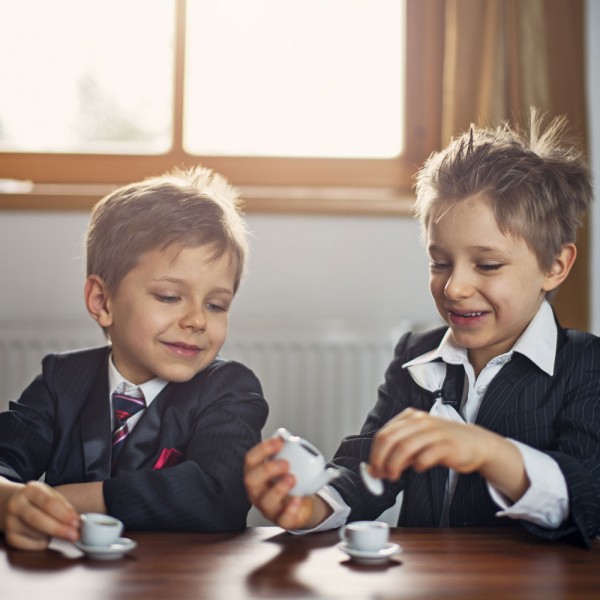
(95, 429)
(504, 389)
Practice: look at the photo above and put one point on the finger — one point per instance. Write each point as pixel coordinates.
(459, 447)
(20, 535)
(388, 442)
(42, 509)
(431, 456)
(261, 478)
(32, 518)
(296, 513)
(289, 518)
(273, 502)
(51, 502)
(261, 452)
(25, 542)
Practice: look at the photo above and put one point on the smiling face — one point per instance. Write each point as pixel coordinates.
(486, 285)
(168, 317)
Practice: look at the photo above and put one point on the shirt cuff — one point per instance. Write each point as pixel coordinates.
(341, 511)
(546, 501)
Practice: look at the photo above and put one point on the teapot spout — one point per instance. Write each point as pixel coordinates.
(332, 474)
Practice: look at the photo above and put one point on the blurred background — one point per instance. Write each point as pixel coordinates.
(320, 112)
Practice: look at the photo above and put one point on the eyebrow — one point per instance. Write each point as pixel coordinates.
(179, 281)
(482, 249)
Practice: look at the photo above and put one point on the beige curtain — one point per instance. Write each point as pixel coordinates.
(500, 58)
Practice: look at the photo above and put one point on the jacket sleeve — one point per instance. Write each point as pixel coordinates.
(43, 421)
(577, 446)
(26, 434)
(392, 398)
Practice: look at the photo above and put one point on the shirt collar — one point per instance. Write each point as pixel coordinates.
(150, 388)
(537, 342)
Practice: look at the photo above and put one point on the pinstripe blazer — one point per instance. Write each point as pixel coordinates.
(559, 415)
(61, 427)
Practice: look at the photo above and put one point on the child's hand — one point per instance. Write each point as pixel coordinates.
(34, 513)
(268, 484)
(416, 439)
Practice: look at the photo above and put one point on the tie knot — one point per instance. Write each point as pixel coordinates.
(127, 401)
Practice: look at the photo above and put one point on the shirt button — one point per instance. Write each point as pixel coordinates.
(481, 389)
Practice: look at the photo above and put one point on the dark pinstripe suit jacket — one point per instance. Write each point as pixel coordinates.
(61, 427)
(559, 415)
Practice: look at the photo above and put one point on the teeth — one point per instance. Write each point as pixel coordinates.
(473, 314)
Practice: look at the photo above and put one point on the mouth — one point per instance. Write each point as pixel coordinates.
(182, 349)
(466, 317)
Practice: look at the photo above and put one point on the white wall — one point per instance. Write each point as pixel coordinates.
(302, 269)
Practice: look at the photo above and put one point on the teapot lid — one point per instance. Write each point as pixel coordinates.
(285, 435)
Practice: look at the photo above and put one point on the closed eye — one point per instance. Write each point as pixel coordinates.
(217, 307)
(166, 299)
(438, 266)
(490, 266)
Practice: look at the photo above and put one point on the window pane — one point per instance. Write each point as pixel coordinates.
(322, 78)
(86, 76)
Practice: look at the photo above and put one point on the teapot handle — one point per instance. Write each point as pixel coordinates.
(286, 436)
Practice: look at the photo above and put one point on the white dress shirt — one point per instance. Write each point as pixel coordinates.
(546, 501)
(150, 389)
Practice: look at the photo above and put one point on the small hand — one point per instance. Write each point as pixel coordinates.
(268, 484)
(419, 440)
(35, 513)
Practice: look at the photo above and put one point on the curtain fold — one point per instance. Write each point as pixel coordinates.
(500, 58)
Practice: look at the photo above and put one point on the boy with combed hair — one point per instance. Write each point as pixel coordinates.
(151, 428)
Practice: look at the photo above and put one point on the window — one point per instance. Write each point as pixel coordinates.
(325, 105)
(304, 78)
(87, 77)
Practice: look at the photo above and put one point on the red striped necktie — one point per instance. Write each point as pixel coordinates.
(126, 401)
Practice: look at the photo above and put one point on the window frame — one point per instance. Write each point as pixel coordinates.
(65, 181)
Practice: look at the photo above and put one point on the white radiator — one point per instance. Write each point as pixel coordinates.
(320, 381)
(23, 344)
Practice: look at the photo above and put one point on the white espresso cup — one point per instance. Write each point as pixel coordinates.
(365, 536)
(100, 530)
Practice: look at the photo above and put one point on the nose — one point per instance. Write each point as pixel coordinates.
(458, 285)
(194, 318)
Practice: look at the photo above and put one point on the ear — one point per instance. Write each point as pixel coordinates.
(560, 267)
(97, 300)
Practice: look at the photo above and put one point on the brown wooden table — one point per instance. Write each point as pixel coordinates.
(265, 562)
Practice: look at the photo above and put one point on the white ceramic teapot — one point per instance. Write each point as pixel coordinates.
(307, 464)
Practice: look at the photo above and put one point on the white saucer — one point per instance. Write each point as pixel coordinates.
(116, 550)
(370, 558)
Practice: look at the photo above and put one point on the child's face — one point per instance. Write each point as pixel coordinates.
(169, 315)
(486, 285)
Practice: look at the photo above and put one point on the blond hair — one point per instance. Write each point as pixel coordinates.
(184, 207)
(539, 187)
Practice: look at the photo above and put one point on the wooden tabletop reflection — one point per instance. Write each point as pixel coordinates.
(266, 562)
